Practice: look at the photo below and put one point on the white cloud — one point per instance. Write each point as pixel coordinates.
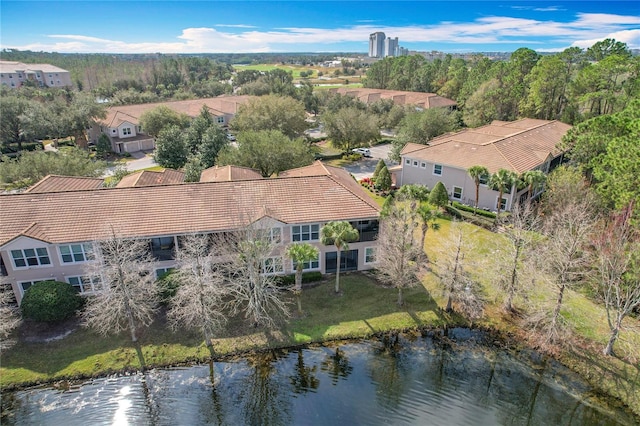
(583, 32)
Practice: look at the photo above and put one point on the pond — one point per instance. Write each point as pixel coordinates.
(411, 380)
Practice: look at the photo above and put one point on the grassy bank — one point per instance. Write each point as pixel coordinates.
(363, 309)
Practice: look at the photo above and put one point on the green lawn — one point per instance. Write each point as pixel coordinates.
(364, 307)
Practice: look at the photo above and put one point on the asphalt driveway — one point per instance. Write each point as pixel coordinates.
(366, 166)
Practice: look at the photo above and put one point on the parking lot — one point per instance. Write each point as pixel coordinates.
(366, 166)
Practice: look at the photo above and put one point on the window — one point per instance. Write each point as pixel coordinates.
(484, 179)
(114, 131)
(457, 192)
(76, 253)
(126, 131)
(314, 264)
(50, 76)
(37, 75)
(161, 272)
(220, 120)
(369, 255)
(24, 285)
(423, 165)
(30, 257)
(10, 75)
(85, 284)
(305, 232)
(407, 162)
(20, 76)
(51, 82)
(276, 235)
(415, 163)
(503, 203)
(162, 248)
(272, 265)
(437, 169)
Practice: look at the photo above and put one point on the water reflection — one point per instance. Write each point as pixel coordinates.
(387, 381)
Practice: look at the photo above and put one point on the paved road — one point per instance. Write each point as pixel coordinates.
(366, 166)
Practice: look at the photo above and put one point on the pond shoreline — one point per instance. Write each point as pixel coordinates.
(493, 339)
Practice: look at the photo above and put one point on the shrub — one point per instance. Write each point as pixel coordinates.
(307, 277)
(438, 196)
(481, 212)
(50, 301)
(168, 287)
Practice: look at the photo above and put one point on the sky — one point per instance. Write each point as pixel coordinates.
(318, 26)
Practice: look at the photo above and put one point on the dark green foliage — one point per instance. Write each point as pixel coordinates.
(307, 277)
(438, 196)
(481, 212)
(415, 192)
(103, 146)
(383, 182)
(379, 167)
(168, 287)
(50, 301)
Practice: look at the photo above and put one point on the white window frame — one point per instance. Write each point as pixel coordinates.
(416, 163)
(220, 119)
(407, 161)
(25, 257)
(368, 254)
(505, 203)
(126, 131)
(453, 193)
(308, 266)
(86, 251)
(435, 166)
(272, 265)
(423, 165)
(486, 181)
(32, 282)
(94, 284)
(300, 234)
(275, 234)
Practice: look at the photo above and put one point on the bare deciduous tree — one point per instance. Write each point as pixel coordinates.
(129, 295)
(519, 230)
(563, 256)
(252, 264)
(458, 285)
(397, 252)
(199, 301)
(9, 312)
(617, 272)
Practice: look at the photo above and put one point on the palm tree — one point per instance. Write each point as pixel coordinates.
(502, 181)
(476, 173)
(427, 218)
(339, 234)
(533, 179)
(300, 253)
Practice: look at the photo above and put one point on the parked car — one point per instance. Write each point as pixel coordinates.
(365, 152)
(231, 137)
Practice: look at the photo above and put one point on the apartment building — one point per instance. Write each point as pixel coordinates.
(15, 74)
(49, 235)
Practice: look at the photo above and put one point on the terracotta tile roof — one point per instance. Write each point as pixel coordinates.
(55, 183)
(228, 173)
(421, 99)
(518, 146)
(62, 217)
(151, 178)
(220, 105)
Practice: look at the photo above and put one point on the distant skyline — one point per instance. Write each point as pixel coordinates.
(306, 26)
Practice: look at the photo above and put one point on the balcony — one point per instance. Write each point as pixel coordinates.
(368, 229)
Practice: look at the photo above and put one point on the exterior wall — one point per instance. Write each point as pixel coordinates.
(60, 271)
(421, 172)
(126, 130)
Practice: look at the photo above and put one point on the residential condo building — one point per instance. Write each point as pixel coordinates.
(15, 74)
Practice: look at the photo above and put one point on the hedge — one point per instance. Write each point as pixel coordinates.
(481, 212)
(50, 301)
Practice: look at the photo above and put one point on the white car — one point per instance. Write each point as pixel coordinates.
(365, 152)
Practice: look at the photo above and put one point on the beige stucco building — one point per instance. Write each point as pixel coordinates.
(48, 235)
(517, 146)
(15, 74)
(122, 123)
